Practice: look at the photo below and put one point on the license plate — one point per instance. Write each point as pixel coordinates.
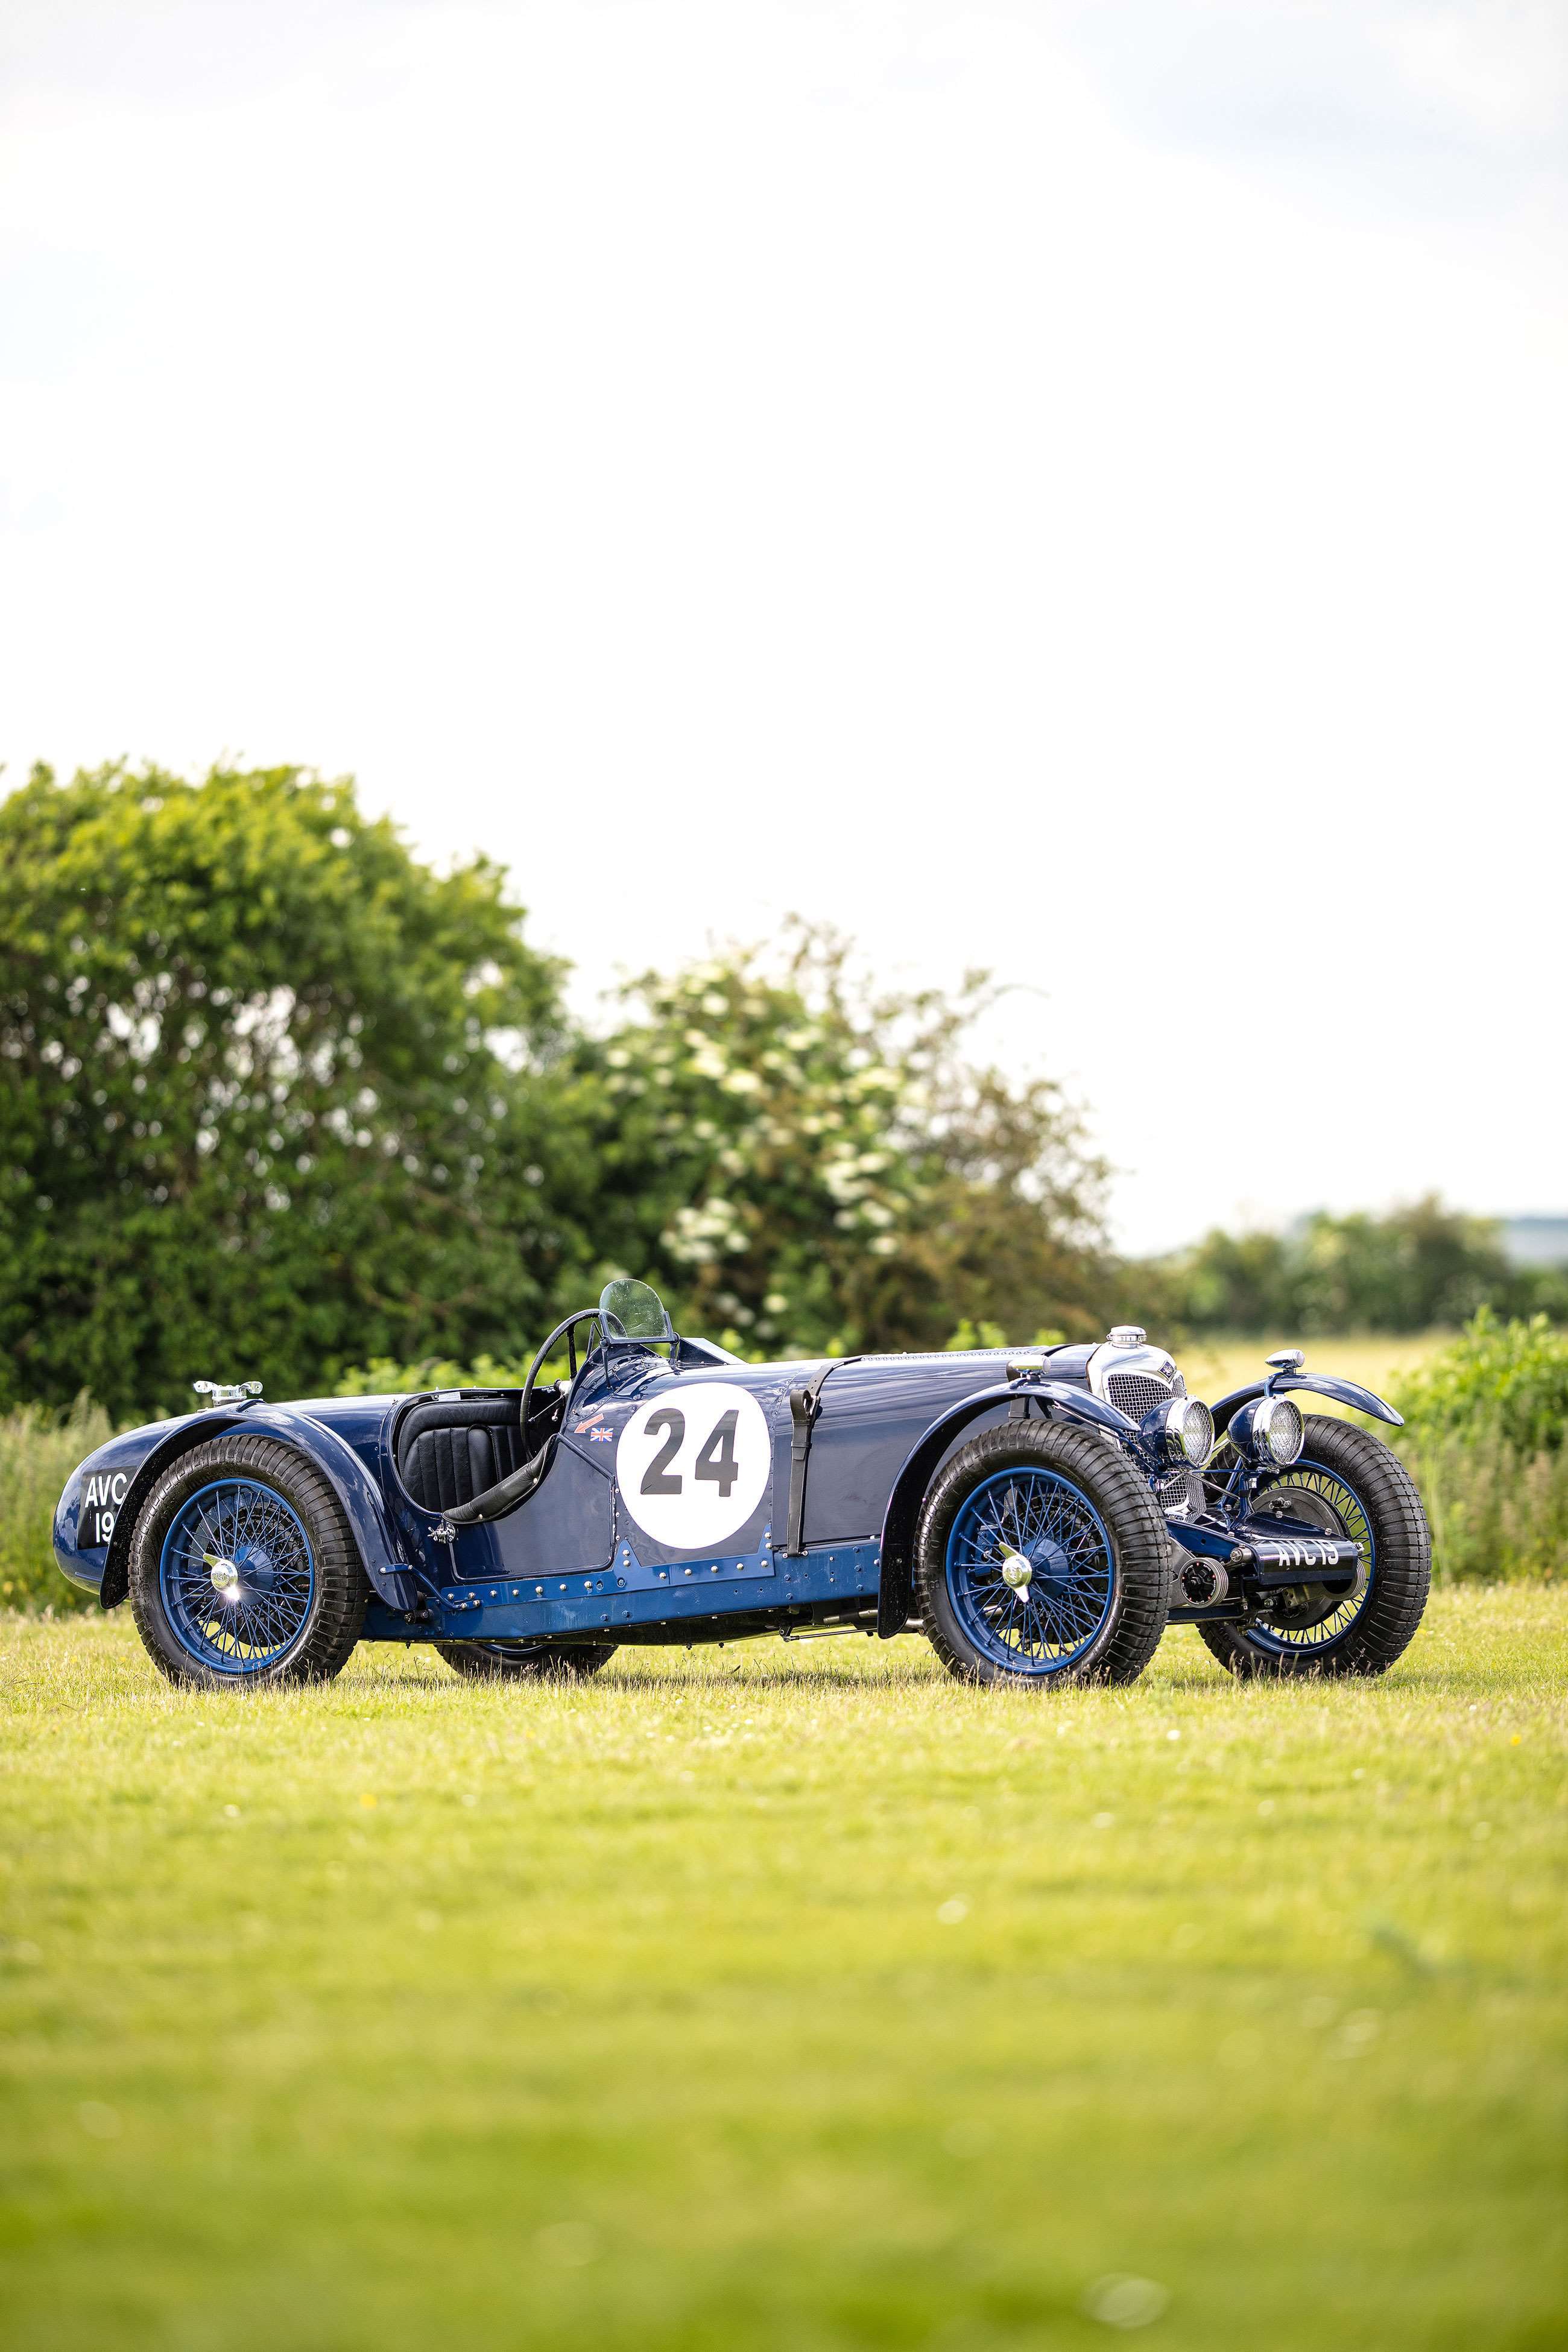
(100, 1503)
(1306, 1551)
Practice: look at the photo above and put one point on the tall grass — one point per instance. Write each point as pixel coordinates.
(1495, 1511)
(39, 1450)
(1485, 1422)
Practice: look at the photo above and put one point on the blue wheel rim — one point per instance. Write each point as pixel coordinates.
(1055, 1620)
(1341, 1497)
(237, 1523)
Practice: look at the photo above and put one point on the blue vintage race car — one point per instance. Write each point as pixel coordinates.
(1040, 1514)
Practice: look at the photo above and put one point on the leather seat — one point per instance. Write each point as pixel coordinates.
(447, 1452)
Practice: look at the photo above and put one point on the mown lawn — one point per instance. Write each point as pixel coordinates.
(788, 1999)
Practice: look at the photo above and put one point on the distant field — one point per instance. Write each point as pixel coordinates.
(1213, 1365)
(791, 1999)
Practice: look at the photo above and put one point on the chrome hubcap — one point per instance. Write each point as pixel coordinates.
(1015, 1570)
(224, 1575)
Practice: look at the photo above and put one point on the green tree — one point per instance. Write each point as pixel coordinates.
(808, 1164)
(1231, 1282)
(1423, 1265)
(1420, 1266)
(273, 1094)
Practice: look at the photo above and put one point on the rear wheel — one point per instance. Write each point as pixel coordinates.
(1040, 1559)
(1348, 1483)
(243, 1570)
(525, 1662)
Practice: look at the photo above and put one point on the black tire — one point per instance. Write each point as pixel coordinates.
(333, 1614)
(525, 1662)
(1139, 1574)
(1399, 1577)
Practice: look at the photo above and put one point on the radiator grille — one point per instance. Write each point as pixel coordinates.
(1181, 1491)
(1136, 1393)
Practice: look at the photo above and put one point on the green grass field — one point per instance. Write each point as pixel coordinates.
(788, 1999)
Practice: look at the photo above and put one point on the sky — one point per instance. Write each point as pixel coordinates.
(1080, 489)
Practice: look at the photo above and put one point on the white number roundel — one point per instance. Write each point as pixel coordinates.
(692, 1465)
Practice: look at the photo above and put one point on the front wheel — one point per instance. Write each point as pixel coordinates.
(1348, 1483)
(243, 1570)
(1041, 1560)
(525, 1662)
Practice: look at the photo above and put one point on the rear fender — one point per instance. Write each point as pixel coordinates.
(1327, 1384)
(897, 1588)
(352, 1483)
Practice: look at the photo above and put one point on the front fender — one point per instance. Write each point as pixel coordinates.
(897, 1587)
(352, 1483)
(1327, 1384)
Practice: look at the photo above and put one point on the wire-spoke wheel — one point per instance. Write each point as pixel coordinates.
(1348, 1483)
(526, 1662)
(1041, 1559)
(243, 1570)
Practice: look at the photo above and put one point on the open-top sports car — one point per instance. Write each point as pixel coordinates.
(1039, 1514)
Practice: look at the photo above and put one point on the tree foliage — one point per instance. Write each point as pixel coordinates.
(258, 1090)
(1485, 1424)
(1420, 1267)
(809, 1163)
(277, 1101)
(1509, 1378)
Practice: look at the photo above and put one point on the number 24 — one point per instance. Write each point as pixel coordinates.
(716, 1462)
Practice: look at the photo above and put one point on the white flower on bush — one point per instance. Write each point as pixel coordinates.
(697, 1234)
(841, 1175)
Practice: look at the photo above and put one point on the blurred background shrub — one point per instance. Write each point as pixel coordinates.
(39, 1450)
(814, 1166)
(264, 1086)
(268, 1084)
(1483, 1437)
(1510, 1378)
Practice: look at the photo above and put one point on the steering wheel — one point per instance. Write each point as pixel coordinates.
(497, 1500)
(582, 1314)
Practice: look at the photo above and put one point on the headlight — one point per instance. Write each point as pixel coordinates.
(1270, 1429)
(1183, 1430)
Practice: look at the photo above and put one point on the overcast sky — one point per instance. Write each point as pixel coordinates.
(1075, 488)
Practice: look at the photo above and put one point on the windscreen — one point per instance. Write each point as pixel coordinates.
(635, 1309)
